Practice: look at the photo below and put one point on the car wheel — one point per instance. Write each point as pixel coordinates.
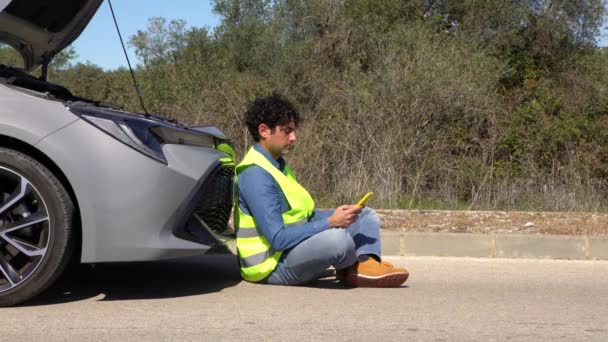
(35, 227)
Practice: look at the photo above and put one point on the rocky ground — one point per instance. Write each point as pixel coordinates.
(564, 223)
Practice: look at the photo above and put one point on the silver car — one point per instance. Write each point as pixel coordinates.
(87, 181)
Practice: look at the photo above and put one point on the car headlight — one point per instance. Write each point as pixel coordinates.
(148, 136)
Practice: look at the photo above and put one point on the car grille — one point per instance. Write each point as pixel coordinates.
(213, 203)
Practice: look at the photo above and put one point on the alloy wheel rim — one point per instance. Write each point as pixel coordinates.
(24, 229)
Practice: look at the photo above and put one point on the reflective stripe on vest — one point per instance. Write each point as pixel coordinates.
(256, 256)
(256, 259)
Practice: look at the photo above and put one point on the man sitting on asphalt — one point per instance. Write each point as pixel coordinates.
(281, 238)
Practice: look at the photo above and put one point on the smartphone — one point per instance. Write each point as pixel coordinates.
(364, 199)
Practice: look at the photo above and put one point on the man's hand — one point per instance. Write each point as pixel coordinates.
(344, 216)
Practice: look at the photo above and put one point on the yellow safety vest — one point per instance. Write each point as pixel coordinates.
(257, 257)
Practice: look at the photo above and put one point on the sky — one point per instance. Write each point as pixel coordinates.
(99, 43)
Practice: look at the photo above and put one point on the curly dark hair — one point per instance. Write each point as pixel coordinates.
(274, 110)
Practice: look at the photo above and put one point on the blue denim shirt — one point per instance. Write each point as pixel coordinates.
(261, 197)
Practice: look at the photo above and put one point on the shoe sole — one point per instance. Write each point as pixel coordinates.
(389, 280)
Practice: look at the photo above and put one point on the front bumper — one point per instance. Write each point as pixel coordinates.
(134, 208)
(205, 214)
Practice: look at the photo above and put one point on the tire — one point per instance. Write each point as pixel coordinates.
(36, 227)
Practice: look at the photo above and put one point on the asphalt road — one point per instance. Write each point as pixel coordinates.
(201, 299)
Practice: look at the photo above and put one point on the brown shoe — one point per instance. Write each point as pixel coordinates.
(387, 263)
(372, 273)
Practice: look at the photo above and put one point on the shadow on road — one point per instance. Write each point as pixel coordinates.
(144, 280)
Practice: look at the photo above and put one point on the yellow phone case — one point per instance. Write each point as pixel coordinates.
(364, 199)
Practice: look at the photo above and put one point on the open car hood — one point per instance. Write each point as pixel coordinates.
(39, 29)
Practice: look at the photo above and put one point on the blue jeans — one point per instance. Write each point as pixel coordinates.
(339, 248)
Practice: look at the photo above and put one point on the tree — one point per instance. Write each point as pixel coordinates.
(10, 57)
(245, 37)
(161, 42)
(539, 34)
(61, 62)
